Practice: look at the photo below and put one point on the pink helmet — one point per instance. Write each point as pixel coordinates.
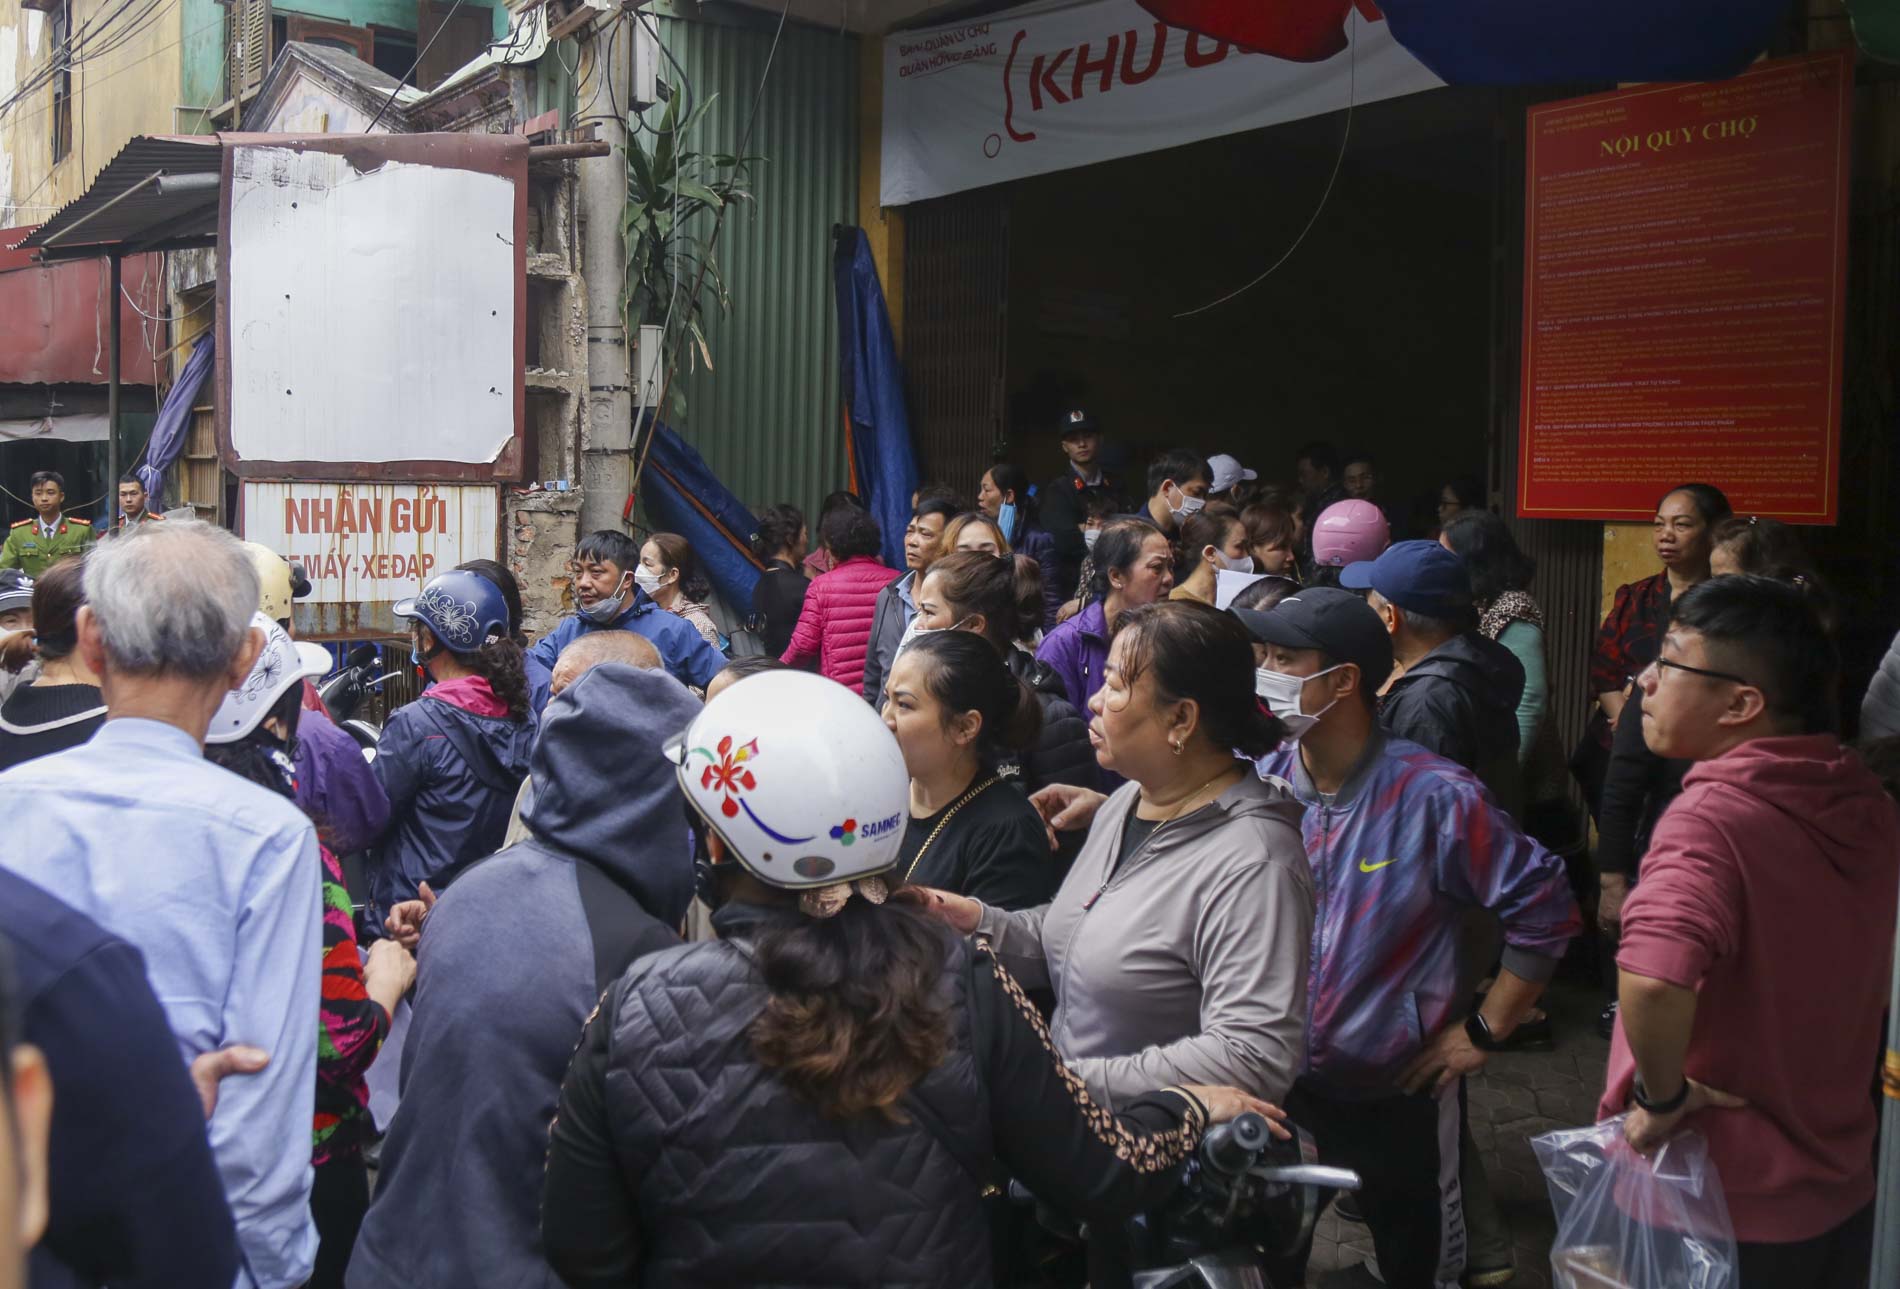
(1350, 531)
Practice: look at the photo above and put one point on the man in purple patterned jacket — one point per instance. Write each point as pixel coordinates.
(1401, 843)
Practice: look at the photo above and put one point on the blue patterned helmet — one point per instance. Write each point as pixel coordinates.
(461, 609)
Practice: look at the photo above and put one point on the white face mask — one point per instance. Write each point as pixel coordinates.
(1189, 505)
(607, 607)
(914, 633)
(1240, 564)
(1088, 537)
(647, 580)
(1282, 694)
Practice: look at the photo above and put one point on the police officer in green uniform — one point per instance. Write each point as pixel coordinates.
(134, 506)
(35, 545)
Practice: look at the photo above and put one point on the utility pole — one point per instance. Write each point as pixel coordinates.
(607, 438)
(112, 404)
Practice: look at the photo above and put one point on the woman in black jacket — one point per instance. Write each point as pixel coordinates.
(62, 706)
(822, 1093)
(778, 597)
(997, 600)
(956, 711)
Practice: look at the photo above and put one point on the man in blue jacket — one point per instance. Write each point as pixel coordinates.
(1402, 843)
(606, 564)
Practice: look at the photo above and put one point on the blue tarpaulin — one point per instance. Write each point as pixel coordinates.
(1508, 42)
(682, 495)
(168, 434)
(1551, 42)
(883, 467)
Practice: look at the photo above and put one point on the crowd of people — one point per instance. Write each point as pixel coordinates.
(758, 951)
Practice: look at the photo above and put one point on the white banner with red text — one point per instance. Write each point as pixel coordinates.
(1061, 84)
(371, 543)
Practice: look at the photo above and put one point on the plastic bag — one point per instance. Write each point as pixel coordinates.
(1629, 1222)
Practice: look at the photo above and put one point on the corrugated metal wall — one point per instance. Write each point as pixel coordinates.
(767, 416)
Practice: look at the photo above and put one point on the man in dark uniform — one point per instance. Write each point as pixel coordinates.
(1062, 499)
(134, 504)
(35, 545)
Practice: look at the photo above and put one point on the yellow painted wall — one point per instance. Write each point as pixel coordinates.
(130, 91)
(883, 226)
(1628, 556)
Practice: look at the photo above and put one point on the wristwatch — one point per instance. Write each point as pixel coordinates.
(1640, 1095)
(1478, 1030)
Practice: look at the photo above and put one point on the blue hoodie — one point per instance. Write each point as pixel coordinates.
(684, 651)
(513, 958)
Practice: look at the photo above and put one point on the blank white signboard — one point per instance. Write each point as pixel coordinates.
(372, 313)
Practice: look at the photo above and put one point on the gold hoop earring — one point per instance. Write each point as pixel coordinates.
(1177, 748)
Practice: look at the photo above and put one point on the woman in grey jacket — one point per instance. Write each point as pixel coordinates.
(1178, 945)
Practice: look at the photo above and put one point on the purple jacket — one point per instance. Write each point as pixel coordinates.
(1077, 651)
(1410, 842)
(336, 787)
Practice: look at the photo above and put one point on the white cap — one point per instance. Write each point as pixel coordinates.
(1227, 472)
(281, 663)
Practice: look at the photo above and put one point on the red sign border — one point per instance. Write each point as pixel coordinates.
(1843, 175)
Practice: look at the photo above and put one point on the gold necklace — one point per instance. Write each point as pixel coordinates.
(1189, 798)
(948, 815)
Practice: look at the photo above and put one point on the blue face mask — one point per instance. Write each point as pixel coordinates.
(1006, 518)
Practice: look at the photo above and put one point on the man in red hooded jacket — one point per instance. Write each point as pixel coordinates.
(1755, 953)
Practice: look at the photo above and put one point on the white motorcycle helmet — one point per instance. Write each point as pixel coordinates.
(799, 777)
(281, 663)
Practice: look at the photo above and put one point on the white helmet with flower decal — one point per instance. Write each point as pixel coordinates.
(799, 777)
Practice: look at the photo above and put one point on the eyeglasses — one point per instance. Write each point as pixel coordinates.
(1670, 664)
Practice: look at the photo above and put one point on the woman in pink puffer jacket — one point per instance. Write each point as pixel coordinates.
(841, 605)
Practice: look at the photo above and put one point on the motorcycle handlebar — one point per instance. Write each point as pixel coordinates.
(1231, 1148)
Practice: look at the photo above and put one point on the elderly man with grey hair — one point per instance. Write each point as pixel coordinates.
(216, 881)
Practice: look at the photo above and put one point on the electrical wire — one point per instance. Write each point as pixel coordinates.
(1352, 94)
(422, 54)
(95, 81)
(97, 38)
(161, 317)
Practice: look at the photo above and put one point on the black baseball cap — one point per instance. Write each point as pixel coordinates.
(1337, 623)
(1078, 421)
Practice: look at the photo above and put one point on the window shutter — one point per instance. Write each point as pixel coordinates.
(248, 47)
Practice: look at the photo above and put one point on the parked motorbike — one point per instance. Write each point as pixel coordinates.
(343, 693)
(1247, 1202)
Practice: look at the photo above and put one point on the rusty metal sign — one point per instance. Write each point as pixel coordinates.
(364, 546)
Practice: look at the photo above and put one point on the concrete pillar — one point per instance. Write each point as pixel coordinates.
(607, 436)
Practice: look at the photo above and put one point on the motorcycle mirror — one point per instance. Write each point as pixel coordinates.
(362, 656)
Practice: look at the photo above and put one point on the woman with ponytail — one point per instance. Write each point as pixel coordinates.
(1177, 946)
(1000, 601)
(957, 712)
(1211, 540)
(825, 1090)
(452, 761)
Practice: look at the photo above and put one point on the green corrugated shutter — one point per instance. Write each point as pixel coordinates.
(767, 418)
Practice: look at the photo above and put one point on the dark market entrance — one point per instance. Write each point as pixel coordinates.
(1373, 334)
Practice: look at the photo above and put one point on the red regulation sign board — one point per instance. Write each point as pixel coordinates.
(1685, 255)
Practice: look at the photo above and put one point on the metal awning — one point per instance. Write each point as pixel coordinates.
(159, 193)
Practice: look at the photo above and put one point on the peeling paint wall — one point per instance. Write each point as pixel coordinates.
(128, 91)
